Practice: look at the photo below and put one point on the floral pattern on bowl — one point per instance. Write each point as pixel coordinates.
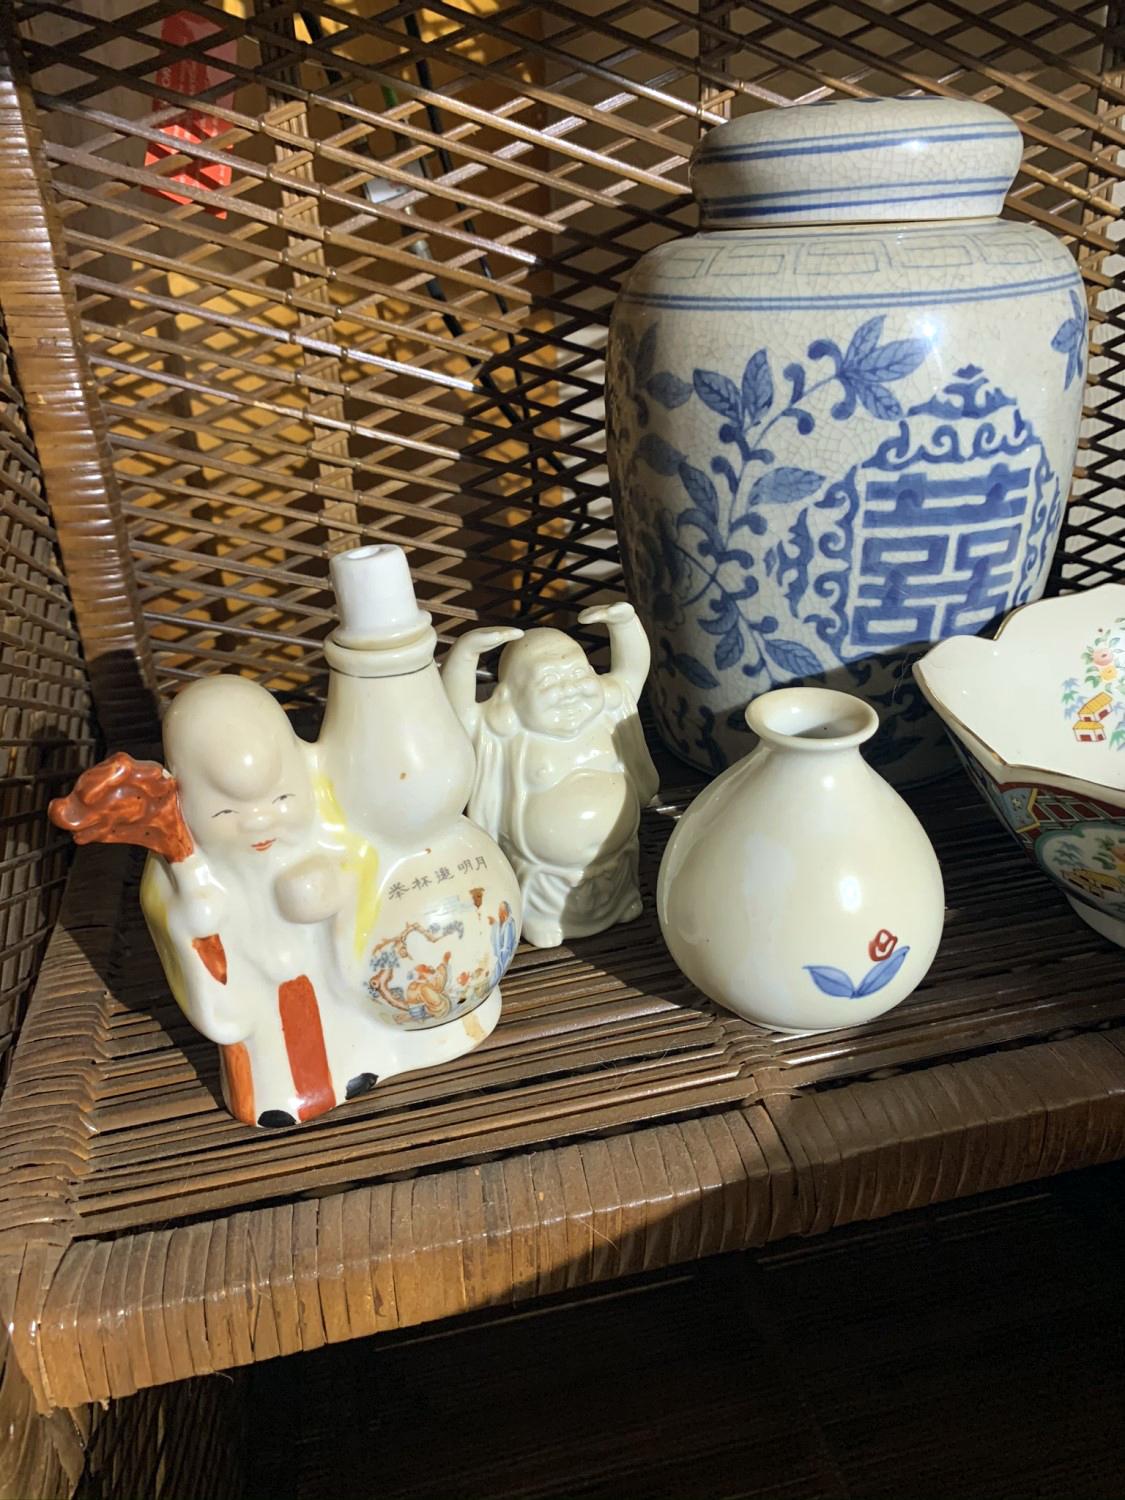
(1094, 702)
(1056, 781)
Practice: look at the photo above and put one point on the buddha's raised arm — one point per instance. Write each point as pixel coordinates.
(459, 670)
(630, 655)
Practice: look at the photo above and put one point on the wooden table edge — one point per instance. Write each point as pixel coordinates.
(95, 1319)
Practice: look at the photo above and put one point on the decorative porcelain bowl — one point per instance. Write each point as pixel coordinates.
(1038, 716)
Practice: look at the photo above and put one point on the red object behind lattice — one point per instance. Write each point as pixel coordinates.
(192, 76)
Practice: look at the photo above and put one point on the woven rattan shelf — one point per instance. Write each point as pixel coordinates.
(616, 1122)
(276, 279)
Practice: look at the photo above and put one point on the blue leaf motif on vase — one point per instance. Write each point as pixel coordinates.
(757, 387)
(881, 973)
(659, 455)
(701, 490)
(1070, 340)
(835, 982)
(694, 670)
(705, 563)
(780, 486)
(793, 658)
(794, 573)
(866, 369)
(645, 357)
(831, 981)
(718, 392)
(668, 389)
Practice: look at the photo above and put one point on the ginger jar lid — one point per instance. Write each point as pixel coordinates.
(856, 161)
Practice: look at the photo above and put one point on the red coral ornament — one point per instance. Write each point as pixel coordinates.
(125, 801)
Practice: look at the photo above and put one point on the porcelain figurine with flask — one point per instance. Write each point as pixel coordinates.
(323, 912)
(562, 768)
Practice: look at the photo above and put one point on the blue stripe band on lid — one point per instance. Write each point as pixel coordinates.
(869, 141)
(875, 187)
(737, 207)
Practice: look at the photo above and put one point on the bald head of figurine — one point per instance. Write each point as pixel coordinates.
(550, 685)
(243, 778)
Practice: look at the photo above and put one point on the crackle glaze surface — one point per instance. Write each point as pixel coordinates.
(834, 444)
(858, 161)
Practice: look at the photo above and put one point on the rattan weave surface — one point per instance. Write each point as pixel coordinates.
(904, 1360)
(217, 382)
(616, 1121)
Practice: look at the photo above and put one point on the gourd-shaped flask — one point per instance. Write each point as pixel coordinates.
(392, 756)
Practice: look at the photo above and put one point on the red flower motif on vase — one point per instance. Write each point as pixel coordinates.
(882, 945)
(887, 958)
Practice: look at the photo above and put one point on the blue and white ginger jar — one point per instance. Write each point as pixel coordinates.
(843, 417)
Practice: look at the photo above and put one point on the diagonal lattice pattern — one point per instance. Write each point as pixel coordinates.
(45, 733)
(345, 269)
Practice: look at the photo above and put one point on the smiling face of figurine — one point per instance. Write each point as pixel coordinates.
(243, 779)
(553, 688)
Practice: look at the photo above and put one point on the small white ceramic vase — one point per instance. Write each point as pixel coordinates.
(798, 889)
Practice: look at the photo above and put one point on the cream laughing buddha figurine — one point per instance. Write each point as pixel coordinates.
(562, 768)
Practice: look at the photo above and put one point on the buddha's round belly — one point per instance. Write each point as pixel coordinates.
(587, 815)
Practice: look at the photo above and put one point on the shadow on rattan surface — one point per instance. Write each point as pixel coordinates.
(973, 1350)
(602, 1034)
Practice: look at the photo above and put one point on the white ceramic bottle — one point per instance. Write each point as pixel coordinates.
(799, 890)
(399, 766)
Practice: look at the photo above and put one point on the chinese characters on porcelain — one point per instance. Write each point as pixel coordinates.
(841, 419)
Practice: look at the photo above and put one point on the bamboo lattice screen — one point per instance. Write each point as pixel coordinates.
(345, 269)
(45, 731)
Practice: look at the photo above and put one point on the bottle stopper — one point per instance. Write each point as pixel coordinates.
(375, 596)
